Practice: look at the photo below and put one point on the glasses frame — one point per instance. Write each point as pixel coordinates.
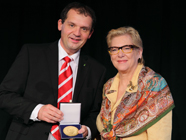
(120, 48)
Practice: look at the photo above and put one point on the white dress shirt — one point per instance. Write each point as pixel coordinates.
(74, 66)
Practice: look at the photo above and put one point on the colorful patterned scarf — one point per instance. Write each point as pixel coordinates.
(139, 110)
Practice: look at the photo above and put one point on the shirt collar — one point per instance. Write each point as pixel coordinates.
(111, 94)
(134, 80)
(62, 53)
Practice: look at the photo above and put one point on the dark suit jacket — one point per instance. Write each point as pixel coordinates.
(33, 79)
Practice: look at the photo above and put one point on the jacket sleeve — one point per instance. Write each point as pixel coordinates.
(13, 86)
(162, 129)
(90, 120)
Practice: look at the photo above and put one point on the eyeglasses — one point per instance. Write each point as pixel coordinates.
(125, 49)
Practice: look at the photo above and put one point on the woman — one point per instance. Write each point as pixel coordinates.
(137, 103)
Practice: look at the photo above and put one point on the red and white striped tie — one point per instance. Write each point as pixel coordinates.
(64, 90)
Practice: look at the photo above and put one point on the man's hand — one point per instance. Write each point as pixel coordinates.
(50, 114)
(83, 131)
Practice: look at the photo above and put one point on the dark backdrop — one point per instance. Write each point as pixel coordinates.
(161, 25)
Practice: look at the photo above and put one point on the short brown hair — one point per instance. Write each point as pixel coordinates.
(82, 9)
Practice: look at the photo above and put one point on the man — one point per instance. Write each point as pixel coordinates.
(29, 92)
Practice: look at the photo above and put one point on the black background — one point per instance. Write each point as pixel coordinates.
(161, 25)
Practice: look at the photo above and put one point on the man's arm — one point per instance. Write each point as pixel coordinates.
(13, 87)
(90, 120)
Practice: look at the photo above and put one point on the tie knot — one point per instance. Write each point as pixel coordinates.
(67, 59)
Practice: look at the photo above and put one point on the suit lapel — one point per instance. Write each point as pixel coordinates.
(81, 74)
(52, 59)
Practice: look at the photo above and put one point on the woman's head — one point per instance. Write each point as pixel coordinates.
(125, 48)
(135, 38)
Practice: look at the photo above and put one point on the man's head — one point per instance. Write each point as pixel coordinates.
(82, 9)
(76, 26)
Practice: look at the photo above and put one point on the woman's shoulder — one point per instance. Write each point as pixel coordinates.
(107, 86)
(149, 76)
(148, 73)
(109, 82)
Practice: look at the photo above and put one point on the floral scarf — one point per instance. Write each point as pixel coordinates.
(139, 110)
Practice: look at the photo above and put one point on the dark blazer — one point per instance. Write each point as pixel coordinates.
(33, 79)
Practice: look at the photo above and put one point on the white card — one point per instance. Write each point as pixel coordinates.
(71, 113)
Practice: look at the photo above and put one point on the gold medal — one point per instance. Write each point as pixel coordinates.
(70, 131)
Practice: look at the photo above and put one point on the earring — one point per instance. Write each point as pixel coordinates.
(139, 60)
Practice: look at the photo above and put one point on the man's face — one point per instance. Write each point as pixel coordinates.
(75, 31)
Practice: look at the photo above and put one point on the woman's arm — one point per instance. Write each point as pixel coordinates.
(162, 129)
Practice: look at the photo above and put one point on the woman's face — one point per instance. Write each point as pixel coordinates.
(128, 62)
